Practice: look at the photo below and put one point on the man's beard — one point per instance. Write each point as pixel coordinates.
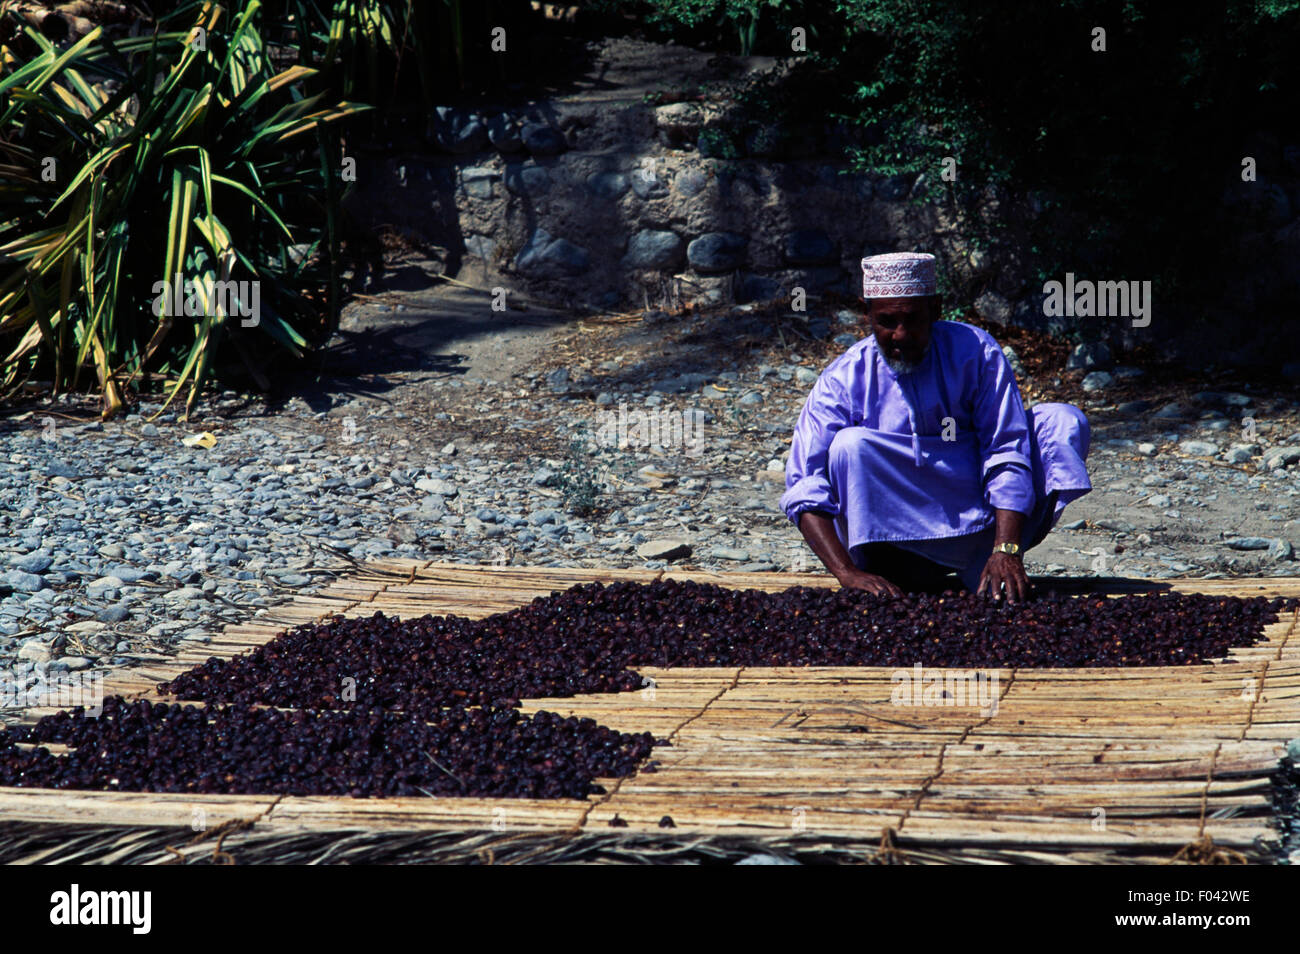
(902, 365)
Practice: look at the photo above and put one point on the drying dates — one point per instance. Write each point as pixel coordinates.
(379, 706)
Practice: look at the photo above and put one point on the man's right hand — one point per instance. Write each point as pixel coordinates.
(819, 530)
(858, 580)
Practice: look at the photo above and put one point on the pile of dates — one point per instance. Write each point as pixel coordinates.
(150, 747)
(590, 639)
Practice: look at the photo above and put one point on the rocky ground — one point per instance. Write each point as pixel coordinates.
(441, 429)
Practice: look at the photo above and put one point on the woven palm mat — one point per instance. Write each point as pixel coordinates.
(1085, 765)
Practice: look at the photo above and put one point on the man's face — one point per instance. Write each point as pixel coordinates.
(902, 327)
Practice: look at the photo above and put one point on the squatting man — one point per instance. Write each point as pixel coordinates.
(914, 456)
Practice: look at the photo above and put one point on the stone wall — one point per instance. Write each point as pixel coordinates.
(616, 206)
(622, 205)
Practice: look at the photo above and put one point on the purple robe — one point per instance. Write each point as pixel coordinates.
(922, 460)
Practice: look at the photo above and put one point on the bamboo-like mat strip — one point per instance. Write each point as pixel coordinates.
(1092, 761)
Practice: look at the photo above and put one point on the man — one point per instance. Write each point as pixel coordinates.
(914, 456)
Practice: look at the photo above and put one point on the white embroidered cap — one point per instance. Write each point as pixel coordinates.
(898, 275)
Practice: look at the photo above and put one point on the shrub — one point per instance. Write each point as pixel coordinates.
(149, 158)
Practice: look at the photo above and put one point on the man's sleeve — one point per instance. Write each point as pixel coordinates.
(807, 474)
(1004, 435)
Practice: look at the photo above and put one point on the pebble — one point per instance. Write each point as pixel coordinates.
(121, 574)
(1280, 457)
(1215, 397)
(432, 506)
(22, 581)
(113, 614)
(728, 553)
(34, 650)
(1279, 550)
(1097, 381)
(1247, 543)
(104, 582)
(435, 485)
(1199, 448)
(1146, 449)
(663, 550)
(36, 562)
(1089, 355)
(1116, 526)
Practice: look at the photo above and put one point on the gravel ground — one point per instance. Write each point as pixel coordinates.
(119, 543)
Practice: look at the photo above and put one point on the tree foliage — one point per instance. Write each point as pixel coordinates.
(1128, 153)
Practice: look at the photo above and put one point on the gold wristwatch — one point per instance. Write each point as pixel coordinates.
(1012, 548)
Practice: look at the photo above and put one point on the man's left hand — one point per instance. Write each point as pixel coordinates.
(1004, 571)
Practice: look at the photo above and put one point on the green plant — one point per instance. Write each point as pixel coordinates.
(742, 19)
(717, 142)
(581, 483)
(170, 157)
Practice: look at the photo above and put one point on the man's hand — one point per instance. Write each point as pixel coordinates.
(819, 530)
(859, 580)
(1003, 569)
